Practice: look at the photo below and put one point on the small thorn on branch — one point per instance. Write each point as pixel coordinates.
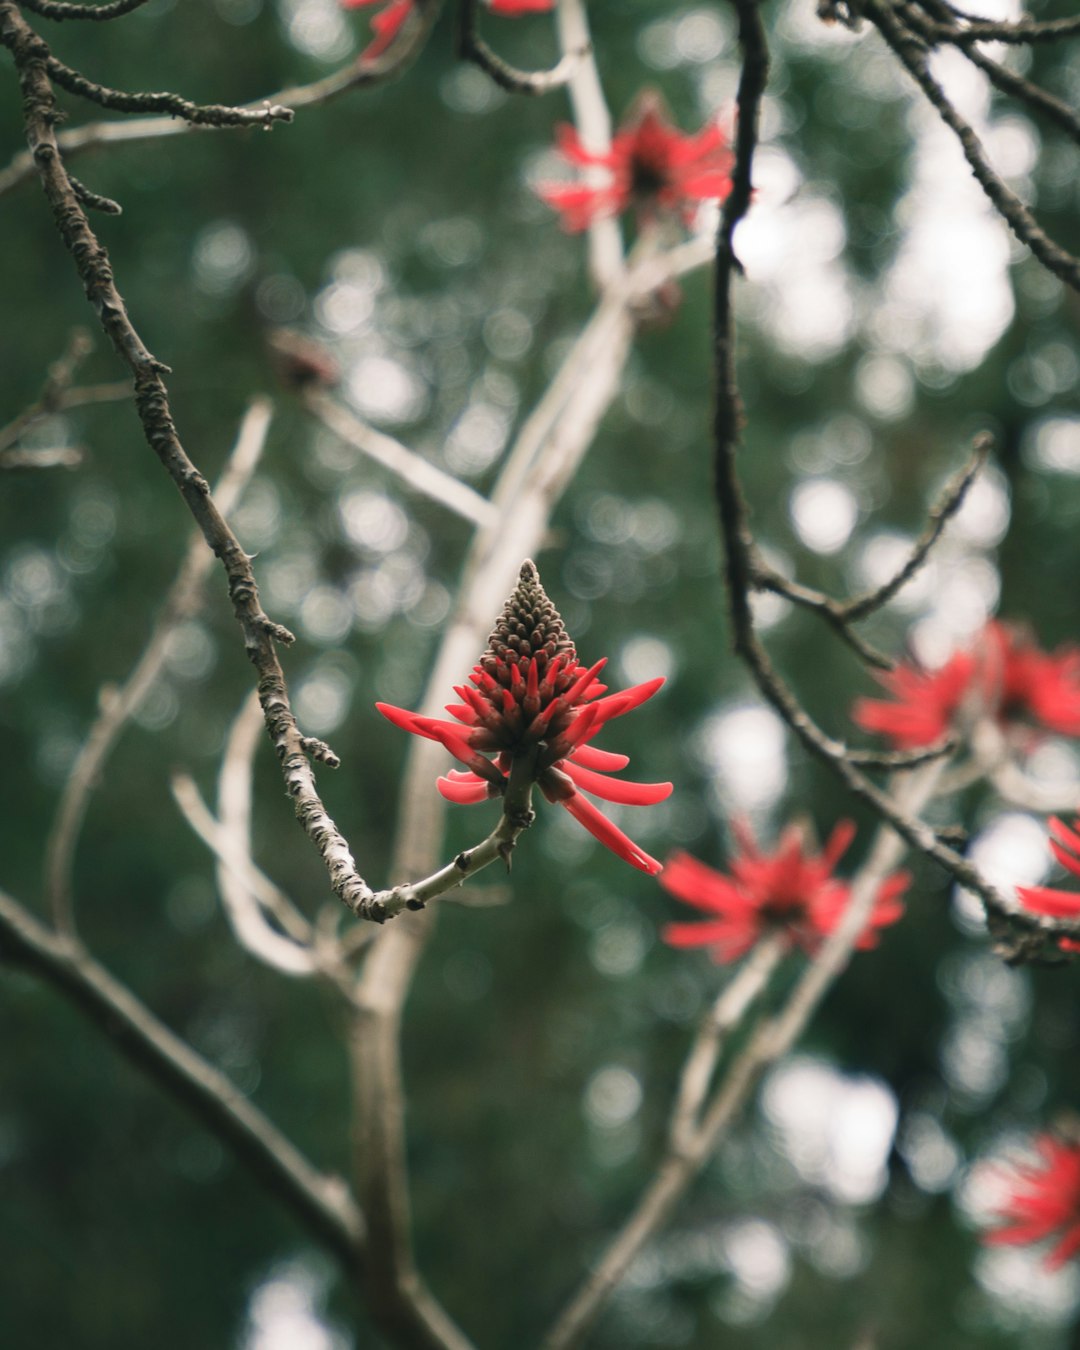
(320, 751)
(94, 201)
(277, 631)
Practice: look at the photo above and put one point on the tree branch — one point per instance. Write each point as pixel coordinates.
(181, 601)
(693, 1139)
(911, 51)
(152, 403)
(356, 74)
(320, 1201)
(419, 473)
(472, 47)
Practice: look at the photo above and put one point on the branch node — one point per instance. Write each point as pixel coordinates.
(320, 751)
(277, 631)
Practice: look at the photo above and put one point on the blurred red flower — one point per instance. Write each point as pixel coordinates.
(652, 166)
(1003, 675)
(792, 891)
(1057, 904)
(529, 695)
(1044, 1201)
(385, 25)
(388, 22)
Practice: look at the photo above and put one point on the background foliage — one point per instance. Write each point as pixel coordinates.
(543, 1035)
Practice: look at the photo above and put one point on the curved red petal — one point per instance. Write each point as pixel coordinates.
(462, 794)
(609, 834)
(603, 760)
(1053, 903)
(614, 789)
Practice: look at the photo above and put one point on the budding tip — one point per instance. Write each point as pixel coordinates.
(529, 571)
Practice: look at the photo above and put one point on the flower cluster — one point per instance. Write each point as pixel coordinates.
(1044, 1200)
(529, 697)
(392, 17)
(1003, 675)
(651, 166)
(791, 891)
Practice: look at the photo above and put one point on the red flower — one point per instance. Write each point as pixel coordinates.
(388, 22)
(792, 890)
(385, 25)
(530, 696)
(1004, 675)
(1065, 846)
(652, 166)
(1045, 1200)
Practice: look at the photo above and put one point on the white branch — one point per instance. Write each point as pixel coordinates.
(593, 121)
(411, 468)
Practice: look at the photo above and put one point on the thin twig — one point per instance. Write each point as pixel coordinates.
(593, 122)
(260, 633)
(182, 601)
(406, 464)
(690, 1148)
(1019, 933)
(732, 1004)
(841, 614)
(901, 759)
(358, 73)
(321, 1201)
(1000, 76)
(536, 471)
(79, 397)
(952, 498)
(766, 578)
(912, 53)
(1019, 33)
(472, 47)
(63, 9)
(45, 457)
(247, 892)
(174, 105)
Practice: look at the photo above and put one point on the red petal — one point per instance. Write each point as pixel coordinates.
(614, 789)
(463, 794)
(1053, 903)
(591, 758)
(609, 834)
(386, 26)
(695, 884)
(520, 6)
(615, 705)
(578, 690)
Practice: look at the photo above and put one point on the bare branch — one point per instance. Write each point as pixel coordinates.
(357, 74)
(732, 1004)
(152, 403)
(247, 891)
(1019, 934)
(321, 1201)
(536, 471)
(63, 9)
(472, 47)
(693, 1142)
(841, 614)
(952, 499)
(1019, 33)
(411, 468)
(593, 121)
(48, 457)
(199, 115)
(181, 602)
(899, 760)
(912, 53)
